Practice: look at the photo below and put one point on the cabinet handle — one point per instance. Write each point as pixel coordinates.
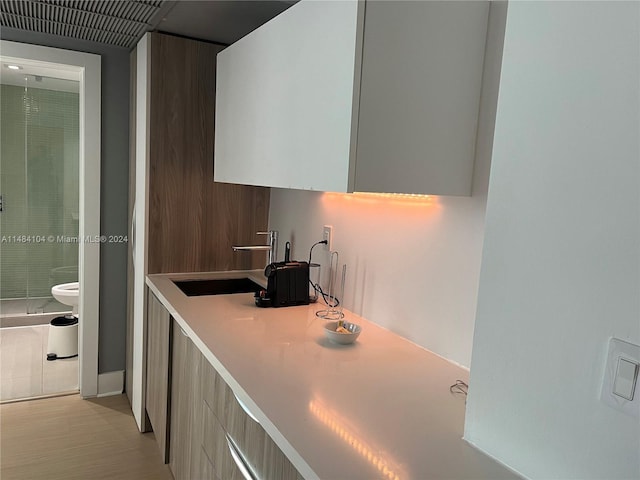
(237, 458)
(245, 409)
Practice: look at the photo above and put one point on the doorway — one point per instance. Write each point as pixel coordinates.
(85, 69)
(39, 226)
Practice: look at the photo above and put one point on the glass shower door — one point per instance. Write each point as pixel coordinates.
(40, 154)
(13, 188)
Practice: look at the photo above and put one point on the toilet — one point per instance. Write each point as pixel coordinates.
(63, 331)
(67, 294)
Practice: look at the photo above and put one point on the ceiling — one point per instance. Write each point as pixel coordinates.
(220, 21)
(123, 22)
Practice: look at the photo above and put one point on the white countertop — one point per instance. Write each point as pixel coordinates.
(380, 408)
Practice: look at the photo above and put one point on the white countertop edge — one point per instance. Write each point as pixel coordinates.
(296, 459)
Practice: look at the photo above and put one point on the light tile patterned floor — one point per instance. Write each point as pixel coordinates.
(24, 369)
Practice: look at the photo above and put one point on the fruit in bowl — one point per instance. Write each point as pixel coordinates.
(342, 332)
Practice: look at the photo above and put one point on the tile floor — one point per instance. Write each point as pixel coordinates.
(24, 369)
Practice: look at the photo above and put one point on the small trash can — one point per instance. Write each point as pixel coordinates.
(63, 338)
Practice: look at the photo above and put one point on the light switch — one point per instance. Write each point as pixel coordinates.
(624, 384)
(619, 383)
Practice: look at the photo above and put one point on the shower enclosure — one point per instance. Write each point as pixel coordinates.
(39, 141)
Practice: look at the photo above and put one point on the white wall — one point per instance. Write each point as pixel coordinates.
(561, 261)
(412, 268)
(412, 265)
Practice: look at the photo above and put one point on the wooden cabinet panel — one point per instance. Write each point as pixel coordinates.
(193, 221)
(252, 444)
(214, 446)
(158, 370)
(235, 421)
(205, 471)
(195, 406)
(215, 392)
(185, 221)
(274, 463)
(261, 454)
(184, 387)
(204, 411)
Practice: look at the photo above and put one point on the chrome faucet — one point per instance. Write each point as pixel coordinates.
(271, 249)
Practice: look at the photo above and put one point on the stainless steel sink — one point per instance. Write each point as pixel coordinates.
(217, 286)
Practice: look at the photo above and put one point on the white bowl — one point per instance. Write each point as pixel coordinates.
(342, 338)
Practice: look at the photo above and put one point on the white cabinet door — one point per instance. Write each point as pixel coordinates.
(285, 97)
(376, 96)
(422, 68)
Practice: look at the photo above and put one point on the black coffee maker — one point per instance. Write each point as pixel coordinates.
(287, 285)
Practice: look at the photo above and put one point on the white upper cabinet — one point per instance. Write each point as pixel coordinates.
(343, 96)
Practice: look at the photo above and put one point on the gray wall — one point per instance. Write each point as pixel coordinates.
(114, 187)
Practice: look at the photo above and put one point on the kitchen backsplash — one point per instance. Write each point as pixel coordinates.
(412, 263)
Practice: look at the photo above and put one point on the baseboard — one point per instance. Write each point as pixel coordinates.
(110, 383)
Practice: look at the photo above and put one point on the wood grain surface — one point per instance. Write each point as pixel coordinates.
(185, 388)
(223, 412)
(193, 222)
(158, 371)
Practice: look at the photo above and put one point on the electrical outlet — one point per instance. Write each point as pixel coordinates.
(327, 234)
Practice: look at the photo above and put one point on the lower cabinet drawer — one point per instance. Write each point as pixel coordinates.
(216, 450)
(215, 391)
(262, 455)
(275, 464)
(205, 467)
(237, 421)
(224, 415)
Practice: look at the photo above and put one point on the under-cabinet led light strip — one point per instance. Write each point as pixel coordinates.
(408, 199)
(416, 196)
